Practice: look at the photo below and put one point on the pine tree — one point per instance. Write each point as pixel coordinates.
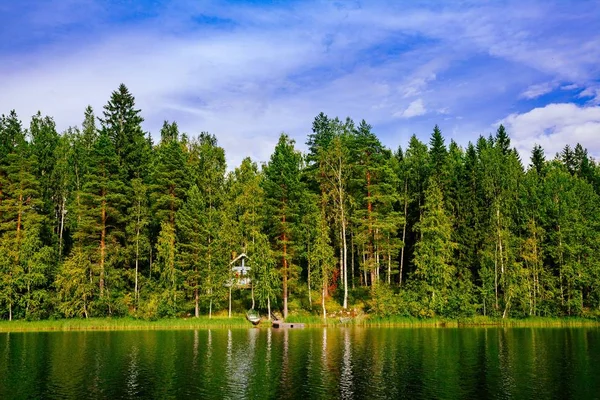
(417, 174)
(44, 140)
(25, 267)
(101, 228)
(62, 188)
(194, 257)
(282, 187)
(138, 219)
(219, 234)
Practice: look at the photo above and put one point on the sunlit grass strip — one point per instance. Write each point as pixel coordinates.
(479, 321)
(115, 324)
(238, 321)
(408, 322)
(529, 322)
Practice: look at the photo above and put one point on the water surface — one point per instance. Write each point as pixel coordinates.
(327, 363)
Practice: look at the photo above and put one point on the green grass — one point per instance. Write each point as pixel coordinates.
(113, 324)
(399, 321)
(528, 322)
(239, 321)
(408, 321)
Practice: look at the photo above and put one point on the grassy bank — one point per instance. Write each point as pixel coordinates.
(239, 321)
(479, 321)
(115, 324)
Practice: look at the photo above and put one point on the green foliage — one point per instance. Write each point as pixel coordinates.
(169, 274)
(434, 251)
(97, 221)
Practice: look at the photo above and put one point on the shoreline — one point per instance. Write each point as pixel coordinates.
(238, 321)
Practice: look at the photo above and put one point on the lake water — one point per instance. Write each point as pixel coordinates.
(328, 363)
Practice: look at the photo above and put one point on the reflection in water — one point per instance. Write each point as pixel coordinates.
(346, 379)
(133, 372)
(209, 344)
(263, 363)
(196, 344)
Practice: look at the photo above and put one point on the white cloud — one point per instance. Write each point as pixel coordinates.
(414, 109)
(274, 68)
(571, 86)
(554, 126)
(592, 92)
(535, 91)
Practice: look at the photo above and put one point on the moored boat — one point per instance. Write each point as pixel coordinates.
(253, 316)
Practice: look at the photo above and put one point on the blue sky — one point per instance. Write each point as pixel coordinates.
(249, 70)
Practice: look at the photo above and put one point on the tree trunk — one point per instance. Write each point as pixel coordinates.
(150, 262)
(102, 245)
(496, 275)
(285, 286)
(341, 257)
(389, 274)
(308, 279)
(323, 299)
(345, 264)
(230, 286)
(196, 302)
(404, 230)
(62, 228)
(137, 260)
(252, 293)
(352, 259)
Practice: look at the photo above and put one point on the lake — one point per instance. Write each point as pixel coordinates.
(329, 363)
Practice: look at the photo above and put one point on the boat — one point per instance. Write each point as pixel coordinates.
(253, 316)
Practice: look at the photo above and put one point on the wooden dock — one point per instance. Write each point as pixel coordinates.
(287, 325)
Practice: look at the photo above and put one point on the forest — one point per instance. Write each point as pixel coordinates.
(99, 220)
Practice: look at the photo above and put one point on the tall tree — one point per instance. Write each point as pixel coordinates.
(322, 256)
(122, 123)
(170, 180)
(282, 188)
(434, 251)
(101, 227)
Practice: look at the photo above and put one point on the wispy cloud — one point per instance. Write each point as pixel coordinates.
(535, 91)
(414, 109)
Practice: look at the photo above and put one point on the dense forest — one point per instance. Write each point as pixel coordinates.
(100, 221)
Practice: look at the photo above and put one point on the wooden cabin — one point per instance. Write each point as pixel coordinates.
(240, 272)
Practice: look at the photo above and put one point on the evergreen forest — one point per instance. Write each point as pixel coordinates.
(100, 220)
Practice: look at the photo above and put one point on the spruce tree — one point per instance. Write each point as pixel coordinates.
(170, 180)
(122, 123)
(538, 159)
(434, 251)
(437, 156)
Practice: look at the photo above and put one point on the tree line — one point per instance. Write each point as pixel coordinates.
(100, 221)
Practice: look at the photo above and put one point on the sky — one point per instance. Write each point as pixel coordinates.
(248, 70)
